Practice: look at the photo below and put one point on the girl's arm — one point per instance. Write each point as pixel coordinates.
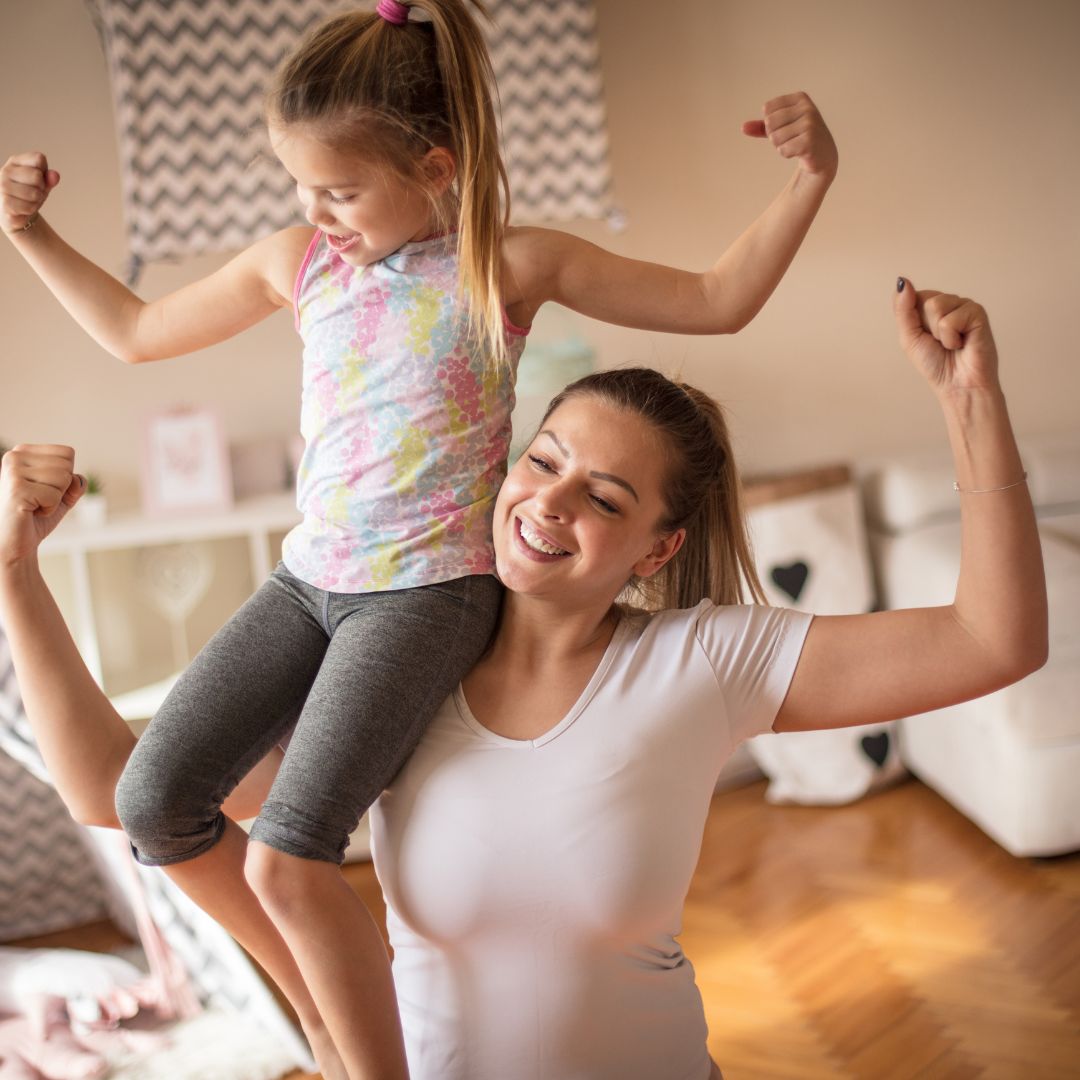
(542, 264)
(247, 289)
(83, 740)
(859, 669)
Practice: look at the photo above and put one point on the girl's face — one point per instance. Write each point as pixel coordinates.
(366, 210)
(577, 515)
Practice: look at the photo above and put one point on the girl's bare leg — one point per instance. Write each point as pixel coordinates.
(340, 953)
(215, 881)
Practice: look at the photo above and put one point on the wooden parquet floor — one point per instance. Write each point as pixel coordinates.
(886, 940)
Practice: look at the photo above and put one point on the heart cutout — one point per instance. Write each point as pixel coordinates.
(876, 747)
(791, 579)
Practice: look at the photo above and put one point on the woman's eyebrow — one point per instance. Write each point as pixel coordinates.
(551, 436)
(617, 480)
(610, 477)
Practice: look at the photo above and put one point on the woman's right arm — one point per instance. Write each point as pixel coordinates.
(84, 742)
(245, 290)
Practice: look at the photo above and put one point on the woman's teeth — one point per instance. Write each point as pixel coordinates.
(534, 541)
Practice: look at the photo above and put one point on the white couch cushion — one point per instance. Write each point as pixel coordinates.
(910, 492)
(917, 489)
(1063, 527)
(1053, 464)
(920, 568)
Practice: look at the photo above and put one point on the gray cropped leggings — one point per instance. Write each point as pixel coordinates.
(354, 677)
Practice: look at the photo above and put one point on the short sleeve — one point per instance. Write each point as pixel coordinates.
(753, 651)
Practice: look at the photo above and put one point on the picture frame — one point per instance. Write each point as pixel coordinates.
(185, 464)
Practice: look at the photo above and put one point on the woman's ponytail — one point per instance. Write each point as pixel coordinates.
(716, 560)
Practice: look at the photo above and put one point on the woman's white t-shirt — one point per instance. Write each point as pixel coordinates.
(535, 888)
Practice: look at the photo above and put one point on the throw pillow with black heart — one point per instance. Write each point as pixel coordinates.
(810, 543)
(791, 579)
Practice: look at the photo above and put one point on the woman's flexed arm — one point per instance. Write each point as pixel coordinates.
(247, 289)
(859, 669)
(83, 740)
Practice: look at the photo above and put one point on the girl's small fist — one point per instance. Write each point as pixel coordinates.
(25, 183)
(794, 126)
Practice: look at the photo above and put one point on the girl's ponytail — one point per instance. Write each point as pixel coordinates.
(398, 87)
(482, 184)
(703, 492)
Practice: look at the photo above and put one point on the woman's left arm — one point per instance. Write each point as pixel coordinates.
(859, 669)
(544, 264)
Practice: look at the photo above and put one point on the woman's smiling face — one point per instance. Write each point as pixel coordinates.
(578, 514)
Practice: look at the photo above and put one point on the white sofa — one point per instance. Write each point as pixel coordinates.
(1009, 761)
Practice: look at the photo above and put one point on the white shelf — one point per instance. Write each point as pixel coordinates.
(254, 520)
(261, 515)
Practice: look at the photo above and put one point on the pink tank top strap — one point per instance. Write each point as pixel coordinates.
(308, 255)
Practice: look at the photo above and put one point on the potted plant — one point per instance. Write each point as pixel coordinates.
(90, 509)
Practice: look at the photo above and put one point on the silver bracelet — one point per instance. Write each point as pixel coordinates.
(25, 228)
(987, 491)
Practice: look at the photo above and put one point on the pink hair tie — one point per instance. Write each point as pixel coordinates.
(393, 11)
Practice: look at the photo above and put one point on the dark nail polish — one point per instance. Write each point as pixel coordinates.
(899, 284)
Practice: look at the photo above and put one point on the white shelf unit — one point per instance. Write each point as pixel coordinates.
(256, 519)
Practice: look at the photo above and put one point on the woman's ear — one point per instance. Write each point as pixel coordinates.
(439, 166)
(663, 551)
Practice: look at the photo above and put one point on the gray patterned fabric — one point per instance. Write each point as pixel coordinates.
(187, 80)
(15, 738)
(47, 880)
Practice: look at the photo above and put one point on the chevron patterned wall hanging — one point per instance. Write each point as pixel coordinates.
(547, 65)
(188, 76)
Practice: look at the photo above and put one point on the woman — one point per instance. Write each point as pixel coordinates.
(536, 848)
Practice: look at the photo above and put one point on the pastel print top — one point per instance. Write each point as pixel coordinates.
(406, 431)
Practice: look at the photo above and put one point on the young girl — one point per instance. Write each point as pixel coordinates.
(413, 298)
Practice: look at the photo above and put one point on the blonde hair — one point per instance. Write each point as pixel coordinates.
(397, 91)
(702, 493)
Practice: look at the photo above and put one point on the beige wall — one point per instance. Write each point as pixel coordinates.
(959, 130)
